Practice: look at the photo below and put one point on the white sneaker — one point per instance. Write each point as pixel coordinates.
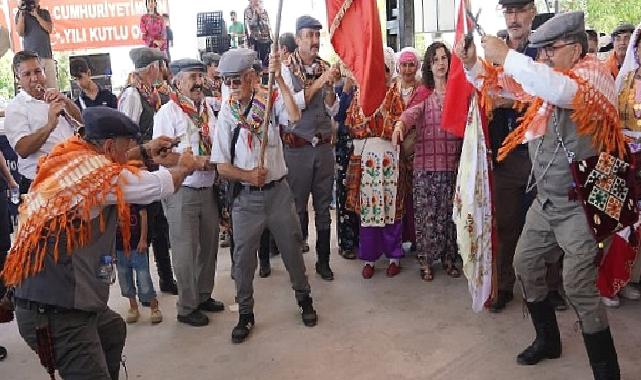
(132, 315)
(611, 302)
(630, 293)
(156, 316)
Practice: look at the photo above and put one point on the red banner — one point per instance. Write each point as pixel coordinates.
(90, 24)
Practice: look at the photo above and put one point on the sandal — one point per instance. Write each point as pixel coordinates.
(426, 274)
(452, 270)
(3, 353)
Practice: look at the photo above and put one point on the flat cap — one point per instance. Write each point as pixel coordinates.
(186, 65)
(144, 56)
(235, 61)
(623, 28)
(211, 58)
(307, 22)
(514, 3)
(107, 123)
(558, 27)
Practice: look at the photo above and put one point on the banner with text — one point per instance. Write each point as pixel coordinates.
(90, 24)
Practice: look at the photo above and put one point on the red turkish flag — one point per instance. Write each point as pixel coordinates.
(355, 33)
(459, 90)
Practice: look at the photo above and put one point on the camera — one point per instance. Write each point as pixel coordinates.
(27, 5)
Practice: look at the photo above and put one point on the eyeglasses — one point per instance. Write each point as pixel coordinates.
(515, 11)
(235, 80)
(550, 50)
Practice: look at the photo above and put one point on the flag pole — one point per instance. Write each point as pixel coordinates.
(270, 90)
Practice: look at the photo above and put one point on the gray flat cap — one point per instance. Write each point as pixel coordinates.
(307, 22)
(514, 3)
(623, 28)
(558, 27)
(144, 56)
(235, 61)
(186, 65)
(211, 58)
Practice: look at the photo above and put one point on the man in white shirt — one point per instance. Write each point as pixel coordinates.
(140, 101)
(263, 198)
(192, 212)
(37, 118)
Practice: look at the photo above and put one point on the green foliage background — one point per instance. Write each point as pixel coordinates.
(605, 15)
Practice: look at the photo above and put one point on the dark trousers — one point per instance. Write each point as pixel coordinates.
(159, 238)
(511, 205)
(5, 235)
(87, 346)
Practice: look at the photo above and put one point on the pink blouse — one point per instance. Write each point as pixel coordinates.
(153, 29)
(435, 149)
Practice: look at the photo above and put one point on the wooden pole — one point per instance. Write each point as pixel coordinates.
(270, 89)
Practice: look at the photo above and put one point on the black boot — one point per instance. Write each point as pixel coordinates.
(263, 255)
(322, 253)
(242, 329)
(503, 298)
(308, 314)
(602, 355)
(547, 344)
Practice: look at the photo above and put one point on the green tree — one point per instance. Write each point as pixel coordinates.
(605, 15)
(6, 76)
(64, 77)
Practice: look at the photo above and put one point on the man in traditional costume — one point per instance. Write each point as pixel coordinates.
(192, 212)
(620, 39)
(308, 149)
(262, 197)
(511, 175)
(572, 115)
(140, 102)
(61, 263)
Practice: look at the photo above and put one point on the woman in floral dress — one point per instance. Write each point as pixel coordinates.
(380, 196)
(435, 166)
(153, 29)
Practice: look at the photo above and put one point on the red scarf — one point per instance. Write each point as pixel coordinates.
(200, 120)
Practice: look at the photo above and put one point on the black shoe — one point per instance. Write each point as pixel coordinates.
(145, 304)
(557, 301)
(602, 355)
(3, 353)
(323, 269)
(169, 287)
(501, 301)
(308, 314)
(305, 247)
(348, 254)
(195, 318)
(265, 270)
(547, 344)
(212, 306)
(323, 250)
(242, 329)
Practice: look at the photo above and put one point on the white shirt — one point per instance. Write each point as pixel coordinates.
(537, 79)
(249, 158)
(130, 104)
(24, 116)
(171, 121)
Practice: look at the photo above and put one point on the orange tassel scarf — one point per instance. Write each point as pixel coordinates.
(594, 107)
(72, 180)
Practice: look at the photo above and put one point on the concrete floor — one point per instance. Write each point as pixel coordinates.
(382, 328)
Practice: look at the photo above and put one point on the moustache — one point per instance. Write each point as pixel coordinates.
(197, 88)
(515, 25)
(315, 46)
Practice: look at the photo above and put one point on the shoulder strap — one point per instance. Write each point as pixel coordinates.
(234, 140)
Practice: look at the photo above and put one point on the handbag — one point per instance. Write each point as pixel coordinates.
(605, 186)
(408, 145)
(353, 178)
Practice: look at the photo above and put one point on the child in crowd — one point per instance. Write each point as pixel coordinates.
(138, 261)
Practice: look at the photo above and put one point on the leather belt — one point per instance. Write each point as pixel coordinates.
(197, 188)
(266, 186)
(44, 308)
(292, 140)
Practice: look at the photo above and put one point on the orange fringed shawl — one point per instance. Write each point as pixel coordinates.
(594, 107)
(71, 181)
